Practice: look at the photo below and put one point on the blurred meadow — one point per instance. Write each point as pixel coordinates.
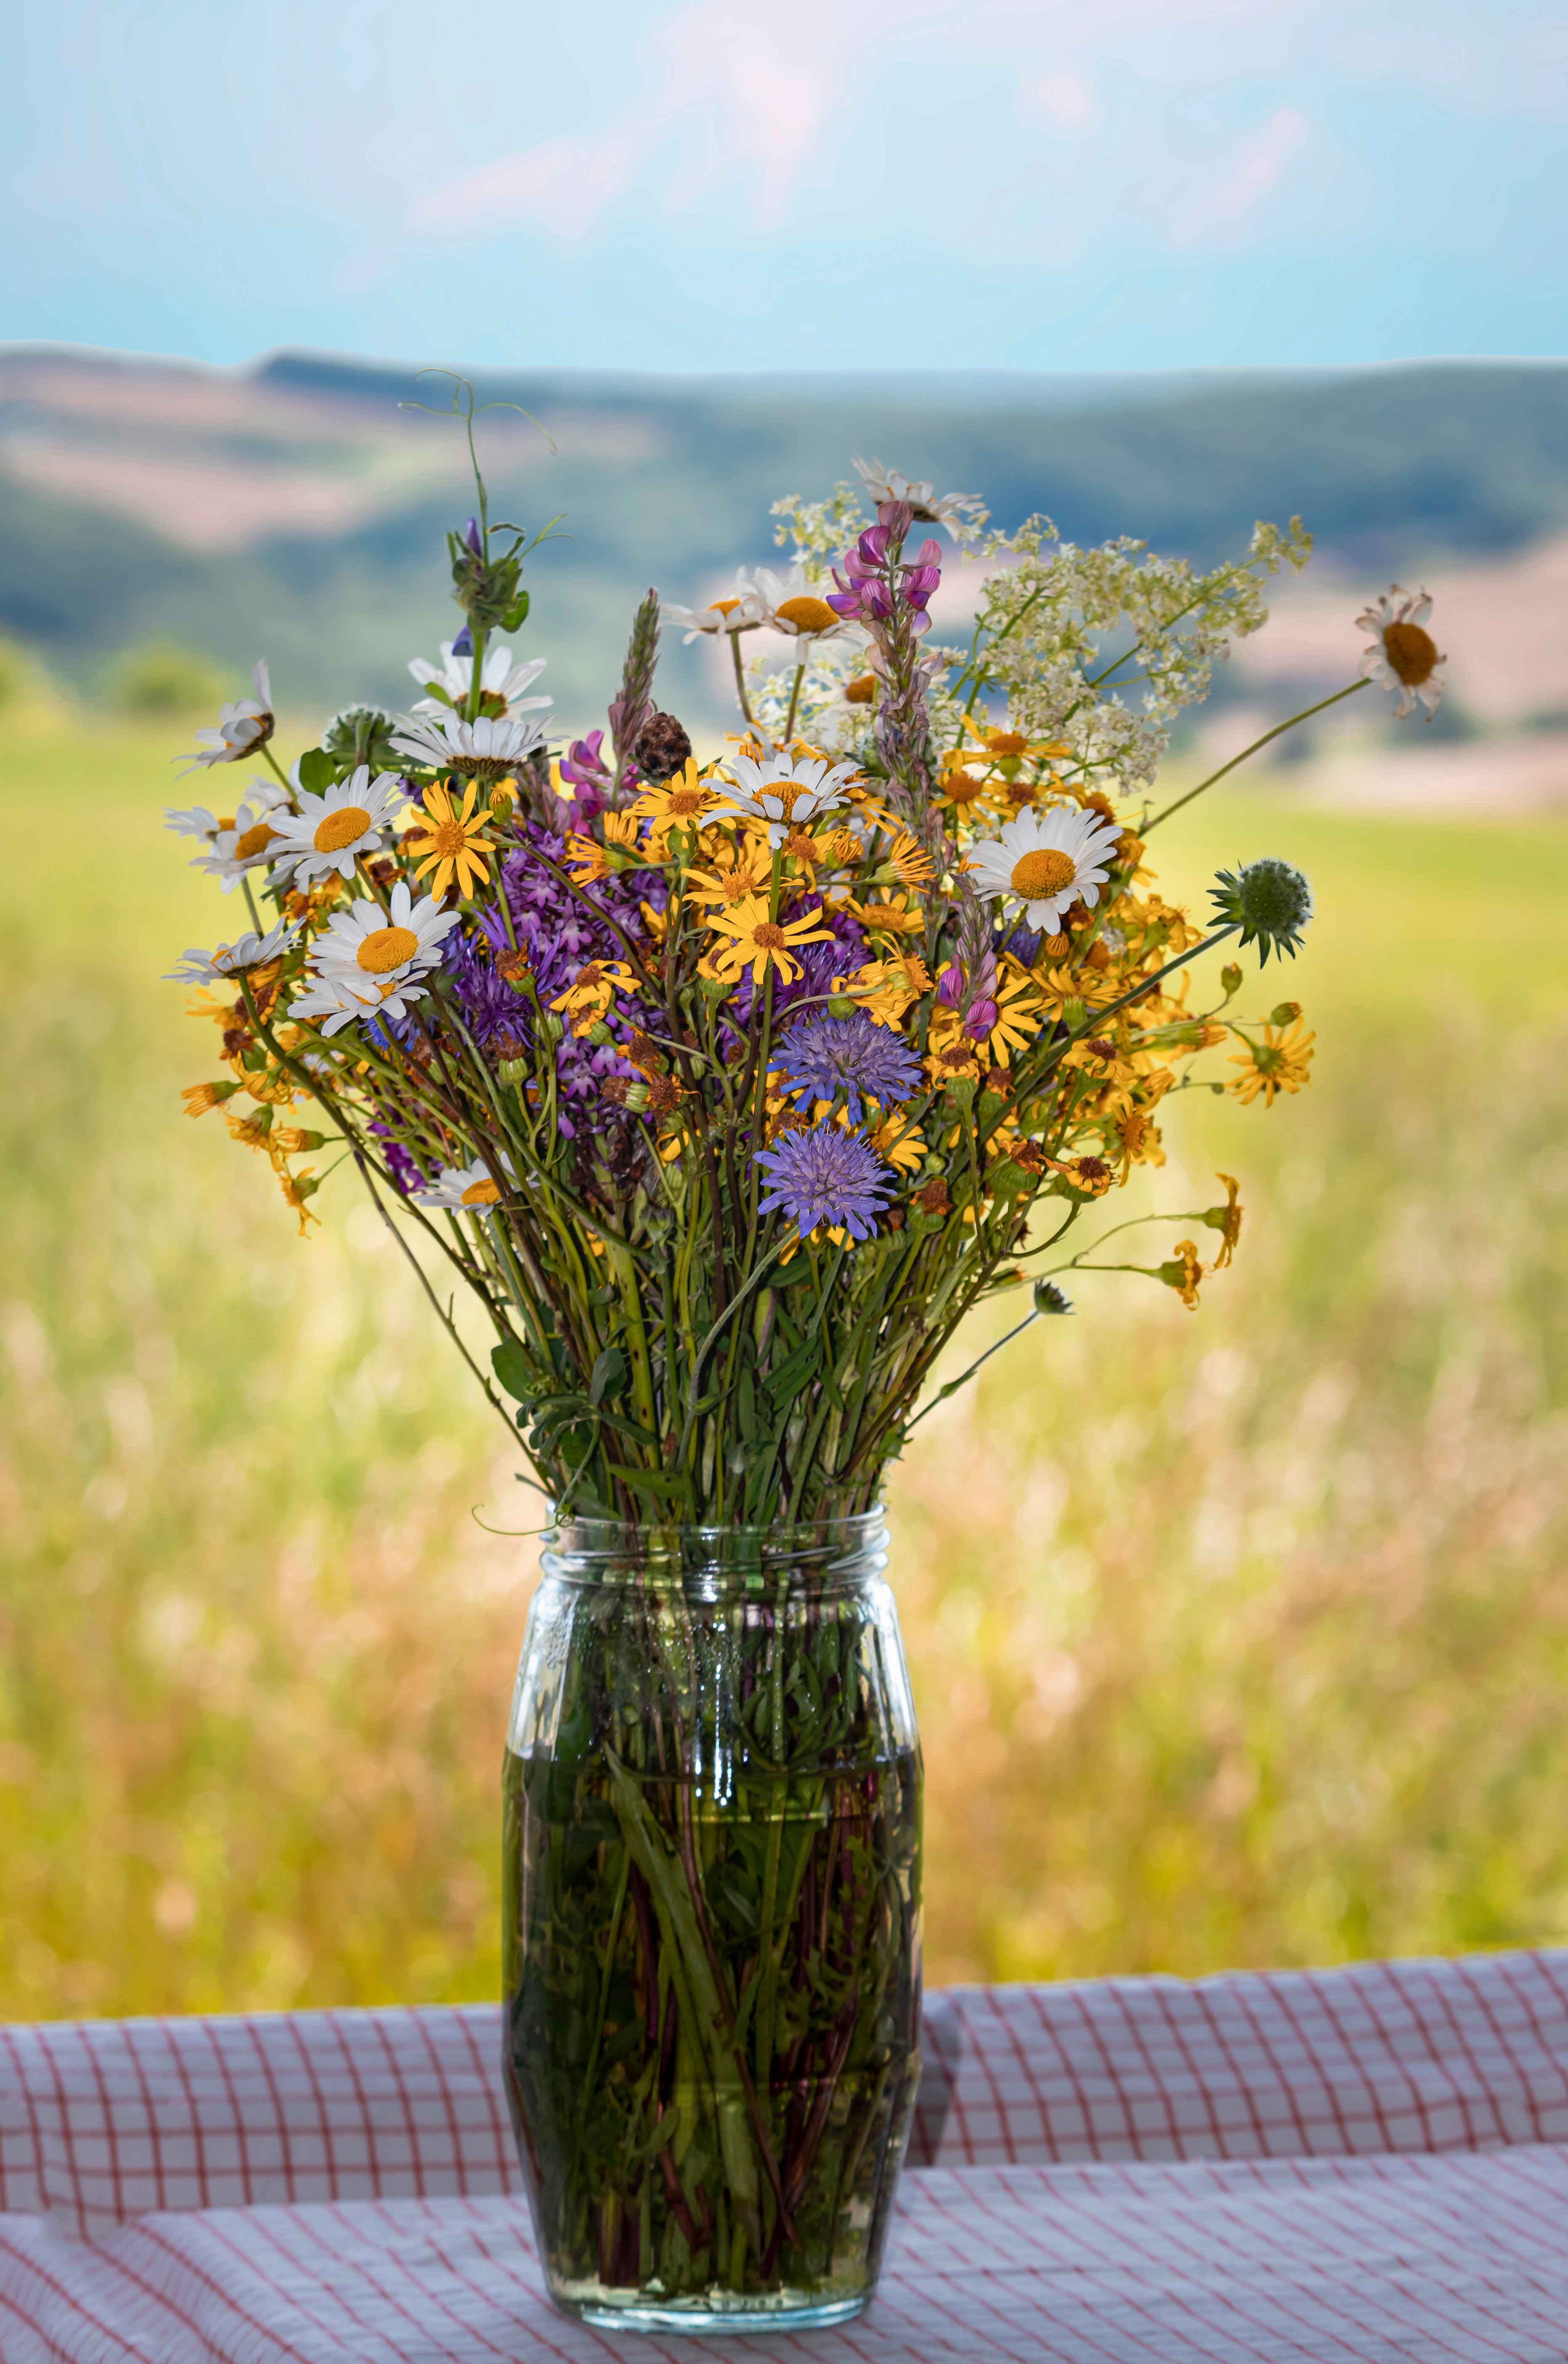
(1238, 1636)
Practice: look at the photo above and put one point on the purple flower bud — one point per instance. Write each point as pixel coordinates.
(895, 520)
(463, 644)
(872, 546)
(472, 537)
(950, 986)
(919, 582)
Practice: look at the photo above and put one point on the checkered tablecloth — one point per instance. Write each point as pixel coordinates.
(1355, 2166)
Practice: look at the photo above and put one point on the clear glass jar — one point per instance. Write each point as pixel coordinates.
(712, 1789)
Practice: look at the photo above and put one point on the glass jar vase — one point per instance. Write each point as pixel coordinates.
(712, 1945)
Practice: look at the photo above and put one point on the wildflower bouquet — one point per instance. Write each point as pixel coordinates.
(730, 1088)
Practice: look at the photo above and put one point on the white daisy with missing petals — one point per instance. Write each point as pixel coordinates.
(331, 830)
(246, 952)
(194, 820)
(962, 513)
(501, 683)
(1047, 862)
(491, 747)
(1403, 655)
(783, 790)
(722, 618)
(460, 1188)
(241, 728)
(247, 840)
(372, 952)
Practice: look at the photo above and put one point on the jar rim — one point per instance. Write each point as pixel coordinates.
(813, 1547)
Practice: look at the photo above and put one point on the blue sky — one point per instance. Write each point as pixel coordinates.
(727, 184)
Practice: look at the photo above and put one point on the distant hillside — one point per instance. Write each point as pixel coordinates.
(295, 509)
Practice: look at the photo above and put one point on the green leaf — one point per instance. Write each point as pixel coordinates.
(317, 770)
(792, 1372)
(516, 615)
(609, 1376)
(512, 1369)
(665, 1485)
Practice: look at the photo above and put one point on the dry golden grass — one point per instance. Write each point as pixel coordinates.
(1238, 1636)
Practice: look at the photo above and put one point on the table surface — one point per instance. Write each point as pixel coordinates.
(1355, 2166)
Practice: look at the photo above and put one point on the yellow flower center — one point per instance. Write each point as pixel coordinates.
(686, 801)
(963, 787)
(481, 1194)
(1043, 872)
(255, 841)
(768, 936)
(861, 691)
(807, 614)
(339, 828)
(447, 839)
(722, 607)
(1411, 652)
(386, 948)
(1006, 742)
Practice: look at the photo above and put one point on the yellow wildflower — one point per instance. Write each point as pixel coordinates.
(895, 917)
(1278, 1064)
(1226, 1220)
(591, 992)
(761, 943)
(452, 841)
(682, 802)
(1018, 1013)
(886, 987)
(899, 1143)
(1183, 1273)
(1087, 1174)
(586, 859)
(949, 1053)
(297, 1188)
(734, 881)
(199, 1098)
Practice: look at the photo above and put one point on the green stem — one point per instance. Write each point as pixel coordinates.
(740, 680)
(1305, 716)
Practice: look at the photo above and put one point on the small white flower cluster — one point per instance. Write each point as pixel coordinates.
(1050, 607)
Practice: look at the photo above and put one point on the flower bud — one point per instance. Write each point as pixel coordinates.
(842, 1005)
(515, 1071)
(1284, 1013)
(599, 1034)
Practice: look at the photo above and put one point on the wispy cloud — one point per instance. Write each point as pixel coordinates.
(1223, 205)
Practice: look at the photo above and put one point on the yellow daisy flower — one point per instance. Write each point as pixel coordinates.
(1278, 1064)
(682, 802)
(586, 860)
(732, 881)
(760, 942)
(886, 987)
(452, 841)
(1183, 1273)
(591, 992)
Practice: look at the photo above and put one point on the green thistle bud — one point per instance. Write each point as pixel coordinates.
(363, 734)
(1269, 901)
(599, 1034)
(515, 1071)
(842, 1005)
(1047, 1299)
(552, 1025)
(715, 988)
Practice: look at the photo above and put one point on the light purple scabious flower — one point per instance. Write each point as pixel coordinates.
(821, 1057)
(829, 1176)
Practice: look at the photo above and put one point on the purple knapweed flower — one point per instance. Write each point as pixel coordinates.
(829, 1176)
(822, 1056)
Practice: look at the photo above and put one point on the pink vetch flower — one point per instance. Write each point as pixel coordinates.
(950, 986)
(979, 1019)
(584, 770)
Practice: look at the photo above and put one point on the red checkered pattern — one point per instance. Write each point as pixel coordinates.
(1358, 2166)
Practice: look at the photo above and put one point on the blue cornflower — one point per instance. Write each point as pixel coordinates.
(822, 1056)
(827, 1176)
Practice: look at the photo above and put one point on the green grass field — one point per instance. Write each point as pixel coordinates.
(1238, 1636)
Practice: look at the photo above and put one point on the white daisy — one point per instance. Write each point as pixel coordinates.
(501, 683)
(962, 513)
(374, 951)
(330, 832)
(247, 952)
(247, 840)
(1046, 860)
(786, 603)
(241, 728)
(329, 1004)
(1403, 655)
(194, 821)
(491, 746)
(784, 790)
(459, 1187)
(723, 616)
